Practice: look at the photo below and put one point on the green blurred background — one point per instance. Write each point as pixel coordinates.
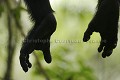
(72, 58)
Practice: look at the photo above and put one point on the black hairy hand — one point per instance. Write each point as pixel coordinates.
(105, 22)
(39, 36)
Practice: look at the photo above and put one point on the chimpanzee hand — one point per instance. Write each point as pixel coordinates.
(38, 39)
(105, 22)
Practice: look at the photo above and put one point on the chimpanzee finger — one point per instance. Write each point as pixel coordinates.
(47, 56)
(102, 44)
(27, 61)
(23, 62)
(87, 34)
(109, 46)
(106, 53)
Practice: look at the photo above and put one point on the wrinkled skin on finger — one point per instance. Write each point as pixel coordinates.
(105, 22)
(39, 36)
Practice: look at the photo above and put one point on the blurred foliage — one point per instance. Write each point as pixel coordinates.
(1, 9)
(72, 59)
